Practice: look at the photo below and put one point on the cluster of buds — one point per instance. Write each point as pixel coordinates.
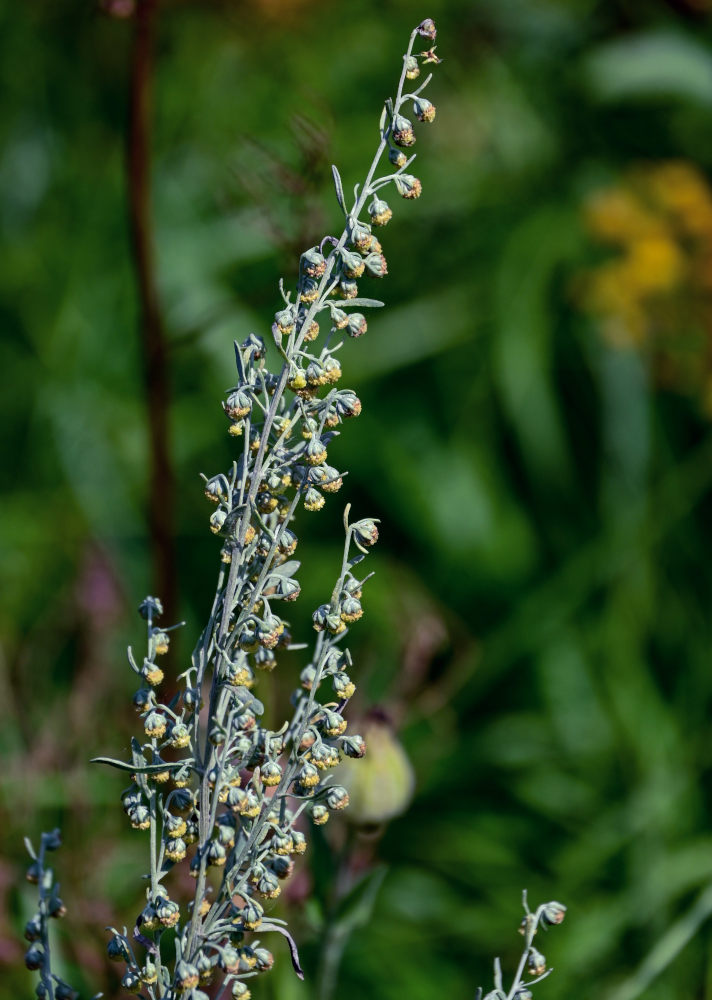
(49, 906)
(218, 791)
(532, 962)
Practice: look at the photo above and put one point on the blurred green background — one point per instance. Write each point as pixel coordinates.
(535, 438)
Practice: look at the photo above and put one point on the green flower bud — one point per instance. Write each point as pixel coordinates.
(353, 746)
(140, 817)
(150, 607)
(351, 264)
(427, 28)
(424, 110)
(238, 404)
(240, 991)
(186, 976)
(168, 912)
(217, 521)
(360, 235)
(348, 289)
(34, 958)
(315, 452)
(333, 724)
(412, 69)
(176, 849)
(265, 959)
(142, 699)
(319, 814)
(313, 500)
(553, 913)
(33, 873)
(408, 186)
(343, 685)
(365, 532)
(536, 963)
(63, 991)
(337, 797)
(308, 289)
(283, 322)
(313, 263)
(397, 157)
(357, 324)
(160, 641)
(154, 725)
(271, 773)
(33, 928)
(251, 915)
(117, 949)
(131, 981)
(379, 211)
(402, 131)
(265, 659)
(268, 885)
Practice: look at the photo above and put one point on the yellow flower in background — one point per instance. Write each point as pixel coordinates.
(380, 785)
(654, 292)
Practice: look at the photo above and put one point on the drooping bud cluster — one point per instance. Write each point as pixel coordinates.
(49, 906)
(220, 792)
(532, 961)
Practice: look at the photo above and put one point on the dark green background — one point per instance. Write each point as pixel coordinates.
(544, 571)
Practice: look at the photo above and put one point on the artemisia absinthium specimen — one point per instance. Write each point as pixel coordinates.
(218, 791)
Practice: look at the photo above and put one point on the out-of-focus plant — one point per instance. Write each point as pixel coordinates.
(655, 295)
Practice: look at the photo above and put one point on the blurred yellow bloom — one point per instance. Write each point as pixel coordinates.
(655, 291)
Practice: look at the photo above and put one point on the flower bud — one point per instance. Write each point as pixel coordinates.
(402, 131)
(186, 976)
(351, 264)
(397, 157)
(348, 289)
(313, 500)
(379, 211)
(240, 991)
(270, 773)
(168, 912)
(238, 404)
(308, 289)
(268, 885)
(265, 659)
(33, 928)
(412, 69)
(131, 981)
(553, 913)
(536, 963)
(376, 265)
(353, 746)
(333, 723)
(140, 818)
(311, 332)
(63, 991)
(117, 950)
(150, 607)
(343, 685)
(176, 849)
(365, 532)
(313, 263)
(283, 323)
(408, 186)
(424, 110)
(33, 873)
(251, 915)
(265, 959)
(427, 28)
(319, 814)
(337, 797)
(217, 521)
(160, 642)
(34, 957)
(154, 725)
(357, 324)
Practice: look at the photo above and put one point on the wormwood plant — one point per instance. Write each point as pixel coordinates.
(213, 787)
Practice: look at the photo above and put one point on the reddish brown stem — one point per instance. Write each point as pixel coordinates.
(153, 338)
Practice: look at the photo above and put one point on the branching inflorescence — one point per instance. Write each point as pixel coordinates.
(217, 790)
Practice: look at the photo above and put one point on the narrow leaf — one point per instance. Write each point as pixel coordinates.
(134, 768)
(339, 188)
(356, 907)
(367, 303)
(287, 569)
(30, 848)
(268, 926)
